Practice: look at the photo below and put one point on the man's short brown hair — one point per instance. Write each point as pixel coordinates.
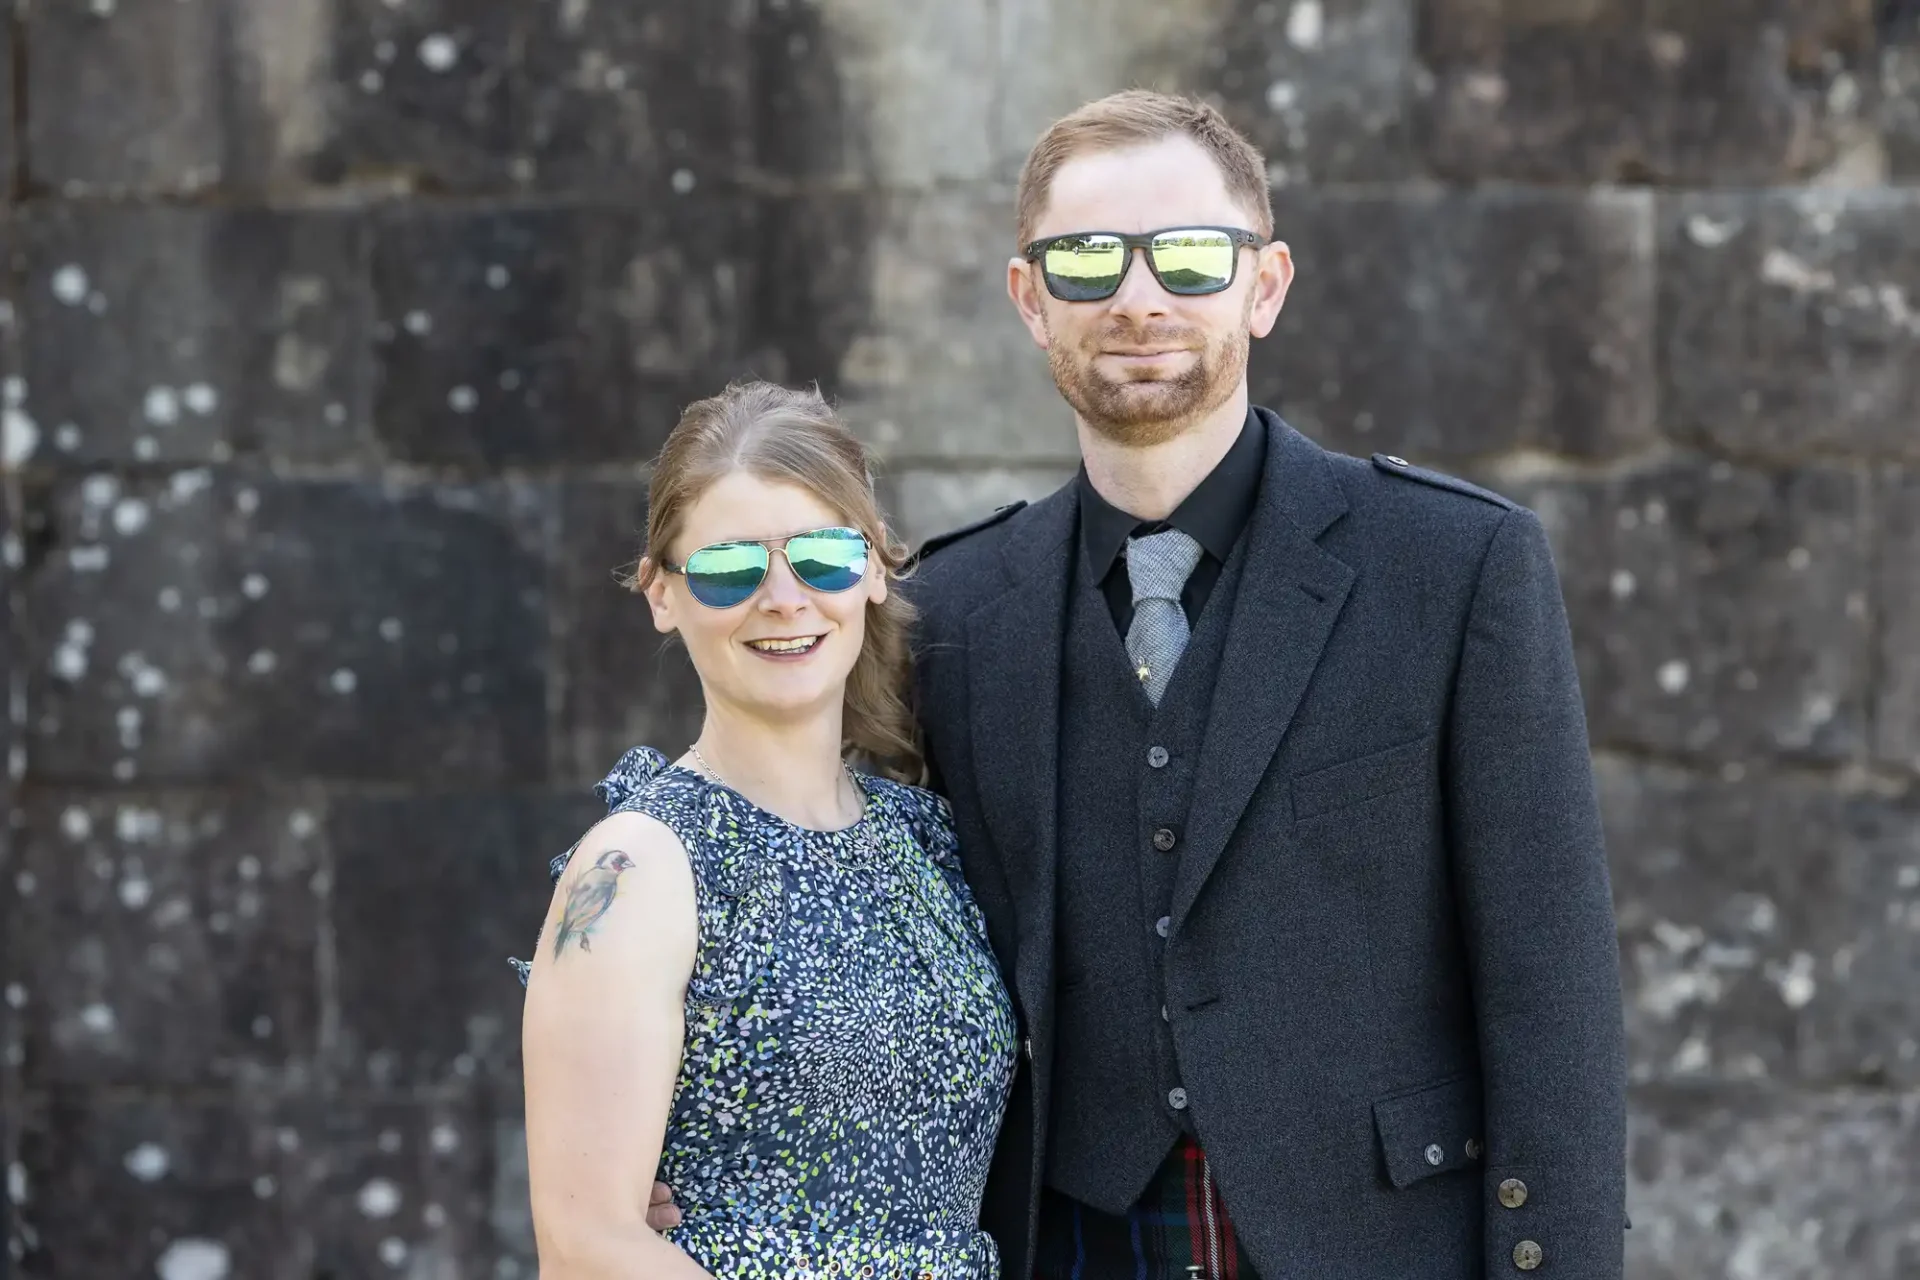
(1137, 117)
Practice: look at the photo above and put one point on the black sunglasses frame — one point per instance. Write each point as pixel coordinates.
(773, 545)
(1241, 237)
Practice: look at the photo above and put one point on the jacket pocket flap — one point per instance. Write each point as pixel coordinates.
(1433, 1129)
(1355, 781)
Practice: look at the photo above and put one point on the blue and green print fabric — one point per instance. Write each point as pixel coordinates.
(849, 1041)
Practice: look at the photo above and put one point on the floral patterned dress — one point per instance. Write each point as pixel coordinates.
(849, 1041)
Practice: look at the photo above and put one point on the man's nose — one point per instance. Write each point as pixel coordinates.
(1139, 293)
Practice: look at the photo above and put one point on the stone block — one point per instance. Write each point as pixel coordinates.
(418, 96)
(122, 1186)
(803, 130)
(409, 1187)
(906, 88)
(1769, 925)
(926, 501)
(1056, 55)
(1896, 715)
(444, 888)
(224, 93)
(1718, 611)
(548, 335)
(649, 96)
(9, 141)
(622, 684)
(165, 939)
(181, 335)
(133, 1186)
(1790, 321)
(1771, 1184)
(1747, 92)
(813, 287)
(211, 626)
(1900, 96)
(1449, 325)
(125, 97)
(1327, 89)
(943, 368)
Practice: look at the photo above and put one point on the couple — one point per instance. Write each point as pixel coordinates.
(1253, 918)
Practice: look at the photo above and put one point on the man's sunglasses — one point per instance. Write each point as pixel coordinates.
(725, 574)
(1087, 266)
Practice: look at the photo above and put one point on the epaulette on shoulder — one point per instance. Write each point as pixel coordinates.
(1407, 471)
(952, 536)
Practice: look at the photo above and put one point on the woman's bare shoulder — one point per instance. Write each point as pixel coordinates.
(627, 892)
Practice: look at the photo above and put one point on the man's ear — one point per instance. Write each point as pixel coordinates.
(1273, 276)
(1029, 300)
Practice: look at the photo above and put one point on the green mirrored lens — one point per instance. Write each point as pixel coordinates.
(723, 575)
(1194, 261)
(829, 560)
(1081, 268)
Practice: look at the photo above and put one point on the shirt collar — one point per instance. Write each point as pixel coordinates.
(1213, 515)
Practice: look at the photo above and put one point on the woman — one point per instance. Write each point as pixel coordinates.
(762, 977)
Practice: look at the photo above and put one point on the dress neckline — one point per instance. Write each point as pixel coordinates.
(869, 795)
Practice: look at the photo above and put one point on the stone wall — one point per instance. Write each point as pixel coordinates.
(337, 335)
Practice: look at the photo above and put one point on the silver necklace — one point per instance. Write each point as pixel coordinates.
(862, 835)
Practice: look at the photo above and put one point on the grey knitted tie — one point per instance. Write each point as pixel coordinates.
(1158, 566)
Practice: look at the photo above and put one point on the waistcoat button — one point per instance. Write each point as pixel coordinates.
(1164, 840)
(1157, 757)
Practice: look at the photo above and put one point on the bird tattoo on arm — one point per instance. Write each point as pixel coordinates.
(588, 900)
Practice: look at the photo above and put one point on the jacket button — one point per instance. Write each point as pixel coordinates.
(1026, 1047)
(1164, 840)
(1513, 1193)
(1177, 1099)
(1398, 462)
(1435, 1156)
(1527, 1255)
(1157, 757)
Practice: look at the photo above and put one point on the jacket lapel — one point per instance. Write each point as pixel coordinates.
(1291, 591)
(1014, 647)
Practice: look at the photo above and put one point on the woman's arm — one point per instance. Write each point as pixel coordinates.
(601, 1039)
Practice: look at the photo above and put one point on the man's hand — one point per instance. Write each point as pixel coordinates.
(661, 1210)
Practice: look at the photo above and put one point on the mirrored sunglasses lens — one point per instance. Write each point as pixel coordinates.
(724, 576)
(1083, 268)
(830, 560)
(1194, 261)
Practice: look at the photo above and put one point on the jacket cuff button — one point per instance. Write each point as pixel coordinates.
(1513, 1193)
(1527, 1255)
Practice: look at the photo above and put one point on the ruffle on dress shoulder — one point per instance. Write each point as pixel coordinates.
(738, 889)
(630, 776)
(627, 779)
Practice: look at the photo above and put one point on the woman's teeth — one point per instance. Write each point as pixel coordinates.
(785, 646)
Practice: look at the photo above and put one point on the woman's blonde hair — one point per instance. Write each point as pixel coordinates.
(794, 437)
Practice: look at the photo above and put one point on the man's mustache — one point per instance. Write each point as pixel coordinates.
(1122, 336)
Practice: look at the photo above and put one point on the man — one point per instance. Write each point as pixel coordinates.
(1271, 779)
(1270, 772)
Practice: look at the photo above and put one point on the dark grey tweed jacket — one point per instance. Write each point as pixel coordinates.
(1392, 976)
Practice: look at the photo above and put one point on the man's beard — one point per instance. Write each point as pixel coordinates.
(1139, 412)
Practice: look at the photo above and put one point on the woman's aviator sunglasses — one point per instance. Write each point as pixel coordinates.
(1087, 266)
(725, 574)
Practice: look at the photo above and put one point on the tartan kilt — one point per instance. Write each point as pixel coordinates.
(1179, 1230)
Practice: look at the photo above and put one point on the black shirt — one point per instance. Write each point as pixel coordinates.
(1213, 515)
